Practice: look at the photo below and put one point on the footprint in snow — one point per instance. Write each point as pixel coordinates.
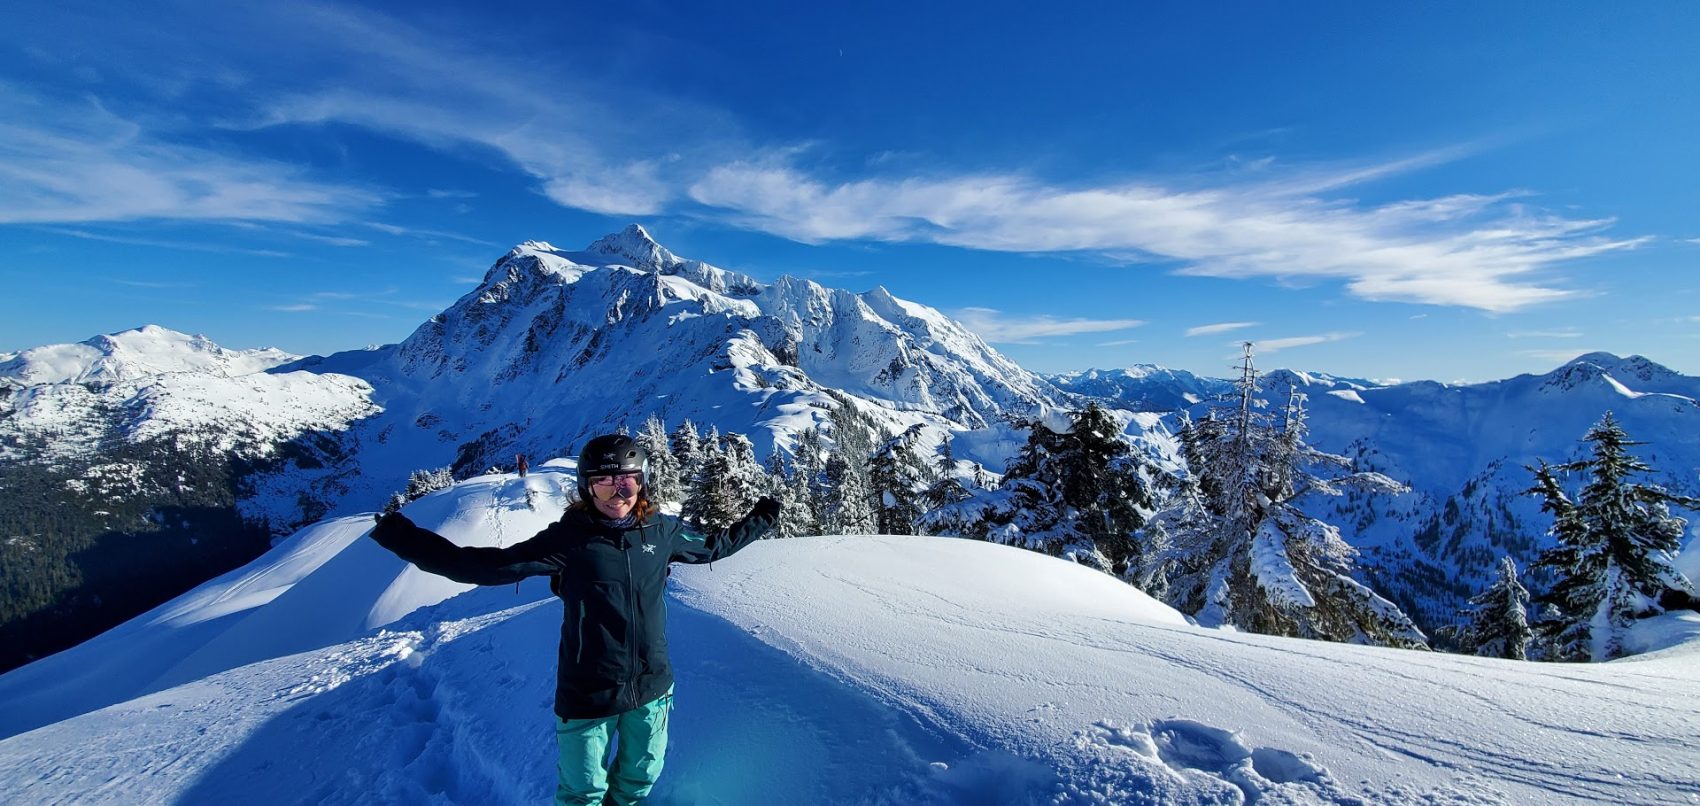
(1212, 758)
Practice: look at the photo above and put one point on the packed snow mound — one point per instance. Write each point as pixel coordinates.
(829, 670)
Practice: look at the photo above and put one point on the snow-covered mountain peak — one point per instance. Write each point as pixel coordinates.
(132, 354)
(1630, 376)
(1634, 370)
(633, 243)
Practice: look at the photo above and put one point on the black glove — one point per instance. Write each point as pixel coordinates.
(766, 508)
(392, 527)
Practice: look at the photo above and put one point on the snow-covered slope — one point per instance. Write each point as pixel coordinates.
(60, 402)
(1463, 449)
(556, 346)
(815, 670)
(131, 355)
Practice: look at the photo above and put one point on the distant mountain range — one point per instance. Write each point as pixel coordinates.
(555, 346)
(1463, 449)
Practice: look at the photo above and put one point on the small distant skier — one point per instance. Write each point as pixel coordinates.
(607, 557)
(519, 462)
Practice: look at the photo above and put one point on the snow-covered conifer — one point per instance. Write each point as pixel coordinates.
(747, 478)
(1243, 553)
(847, 499)
(687, 448)
(947, 487)
(664, 481)
(1073, 491)
(423, 482)
(711, 443)
(1615, 558)
(724, 486)
(808, 457)
(898, 479)
(1499, 627)
(784, 484)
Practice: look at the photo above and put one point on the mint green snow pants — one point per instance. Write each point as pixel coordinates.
(641, 749)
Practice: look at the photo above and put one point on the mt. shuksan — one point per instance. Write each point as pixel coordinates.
(556, 346)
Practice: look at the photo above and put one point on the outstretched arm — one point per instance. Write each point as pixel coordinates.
(476, 565)
(691, 547)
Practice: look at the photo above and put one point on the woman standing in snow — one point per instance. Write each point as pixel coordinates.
(607, 558)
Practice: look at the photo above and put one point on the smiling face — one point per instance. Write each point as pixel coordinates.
(615, 496)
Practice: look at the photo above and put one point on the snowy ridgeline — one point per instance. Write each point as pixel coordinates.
(814, 670)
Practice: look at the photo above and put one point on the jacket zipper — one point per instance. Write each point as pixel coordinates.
(578, 653)
(631, 623)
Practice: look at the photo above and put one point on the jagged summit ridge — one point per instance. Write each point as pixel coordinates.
(556, 345)
(544, 315)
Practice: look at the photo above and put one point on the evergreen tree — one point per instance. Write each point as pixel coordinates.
(424, 482)
(1152, 576)
(1499, 627)
(946, 488)
(1615, 558)
(724, 487)
(748, 481)
(665, 483)
(687, 449)
(1100, 483)
(898, 479)
(711, 443)
(808, 458)
(847, 500)
(1073, 492)
(796, 518)
(1241, 551)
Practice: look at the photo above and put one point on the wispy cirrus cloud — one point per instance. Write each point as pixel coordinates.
(299, 307)
(1220, 327)
(152, 284)
(333, 240)
(427, 234)
(599, 148)
(163, 243)
(65, 162)
(618, 150)
(1565, 333)
(1267, 346)
(1485, 252)
(996, 326)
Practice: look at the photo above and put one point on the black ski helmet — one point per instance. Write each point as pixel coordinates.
(607, 455)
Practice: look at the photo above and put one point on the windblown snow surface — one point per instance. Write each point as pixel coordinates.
(828, 670)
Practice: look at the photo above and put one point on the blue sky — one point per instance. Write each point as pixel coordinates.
(1459, 191)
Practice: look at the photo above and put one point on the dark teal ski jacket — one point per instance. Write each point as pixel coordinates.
(613, 582)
